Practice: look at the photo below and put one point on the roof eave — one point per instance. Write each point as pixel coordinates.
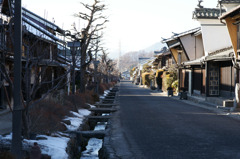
(229, 13)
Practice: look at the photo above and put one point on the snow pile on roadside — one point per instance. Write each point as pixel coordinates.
(55, 145)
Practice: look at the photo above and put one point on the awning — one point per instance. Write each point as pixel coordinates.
(225, 54)
(198, 61)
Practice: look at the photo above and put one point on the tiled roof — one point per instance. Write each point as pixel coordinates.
(207, 13)
(181, 34)
(221, 50)
(163, 50)
(230, 1)
(224, 54)
(198, 61)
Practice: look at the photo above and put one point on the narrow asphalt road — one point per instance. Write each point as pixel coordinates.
(157, 127)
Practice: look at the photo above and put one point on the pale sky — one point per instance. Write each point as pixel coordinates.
(136, 24)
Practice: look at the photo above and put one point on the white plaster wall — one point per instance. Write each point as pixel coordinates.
(199, 46)
(215, 35)
(193, 46)
(188, 42)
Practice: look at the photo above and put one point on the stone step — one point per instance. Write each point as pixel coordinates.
(107, 102)
(103, 110)
(112, 93)
(114, 90)
(108, 99)
(105, 105)
(100, 134)
(99, 118)
(102, 104)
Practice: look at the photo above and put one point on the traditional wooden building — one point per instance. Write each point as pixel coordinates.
(232, 20)
(184, 47)
(161, 63)
(43, 69)
(219, 70)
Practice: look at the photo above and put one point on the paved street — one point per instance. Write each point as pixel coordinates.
(158, 127)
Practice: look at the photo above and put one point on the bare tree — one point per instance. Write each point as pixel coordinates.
(107, 66)
(95, 22)
(42, 73)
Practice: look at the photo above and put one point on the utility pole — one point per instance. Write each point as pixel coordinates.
(16, 147)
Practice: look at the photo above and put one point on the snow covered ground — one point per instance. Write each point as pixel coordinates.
(77, 120)
(91, 152)
(94, 144)
(55, 145)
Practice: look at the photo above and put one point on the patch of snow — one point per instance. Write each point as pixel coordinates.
(100, 126)
(91, 152)
(105, 114)
(7, 137)
(92, 106)
(84, 112)
(56, 146)
(53, 146)
(77, 120)
(75, 123)
(106, 93)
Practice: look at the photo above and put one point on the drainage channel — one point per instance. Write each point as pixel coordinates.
(98, 124)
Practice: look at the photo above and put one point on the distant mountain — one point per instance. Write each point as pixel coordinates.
(155, 47)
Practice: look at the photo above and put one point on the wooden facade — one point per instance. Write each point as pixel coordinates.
(199, 82)
(41, 68)
(183, 79)
(227, 79)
